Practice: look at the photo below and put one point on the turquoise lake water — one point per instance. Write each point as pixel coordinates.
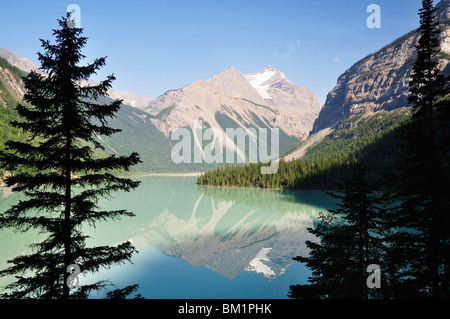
(200, 242)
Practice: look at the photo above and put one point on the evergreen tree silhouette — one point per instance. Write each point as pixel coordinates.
(349, 239)
(59, 174)
(421, 246)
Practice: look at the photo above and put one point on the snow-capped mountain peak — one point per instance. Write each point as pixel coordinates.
(263, 79)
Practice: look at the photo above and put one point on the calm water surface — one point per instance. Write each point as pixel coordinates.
(200, 242)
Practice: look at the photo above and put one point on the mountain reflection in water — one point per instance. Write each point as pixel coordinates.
(230, 231)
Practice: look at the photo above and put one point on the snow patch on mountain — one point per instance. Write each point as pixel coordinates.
(258, 80)
(257, 264)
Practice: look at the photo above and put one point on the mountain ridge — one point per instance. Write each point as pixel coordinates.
(205, 100)
(295, 104)
(293, 109)
(380, 81)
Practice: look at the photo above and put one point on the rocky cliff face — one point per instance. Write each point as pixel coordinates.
(10, 85)
(443, 10)
(18, 61)
(380, 80)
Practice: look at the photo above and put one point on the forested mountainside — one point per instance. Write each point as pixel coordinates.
(364, 112)
(369, 139)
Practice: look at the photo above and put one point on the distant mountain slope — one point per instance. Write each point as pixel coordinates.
(284, 96)
(11, 91)
(265, 99)
(443, 10)
(368, 139)
(18, 61)
(140, 101)
(138, 132)
(380, 80)
(230, 100)
(266, 96)
(232, 83)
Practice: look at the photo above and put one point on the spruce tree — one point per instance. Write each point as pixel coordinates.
(421, 246)
(59, 174)
(349, 239)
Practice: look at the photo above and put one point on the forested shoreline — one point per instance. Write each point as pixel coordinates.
(371, 141)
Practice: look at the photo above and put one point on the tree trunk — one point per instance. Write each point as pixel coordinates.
(66, 222)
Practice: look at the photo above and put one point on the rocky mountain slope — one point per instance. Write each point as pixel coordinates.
(262, 97)
(284, 96)
(12, 86)
(443, 10)
(231, 100)
(11, 91)
(18, 61)
(138, 132)
(380, 80)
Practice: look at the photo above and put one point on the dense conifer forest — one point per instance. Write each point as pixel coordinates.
(366, 139)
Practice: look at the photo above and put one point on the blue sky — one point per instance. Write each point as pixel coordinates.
(155, 46)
